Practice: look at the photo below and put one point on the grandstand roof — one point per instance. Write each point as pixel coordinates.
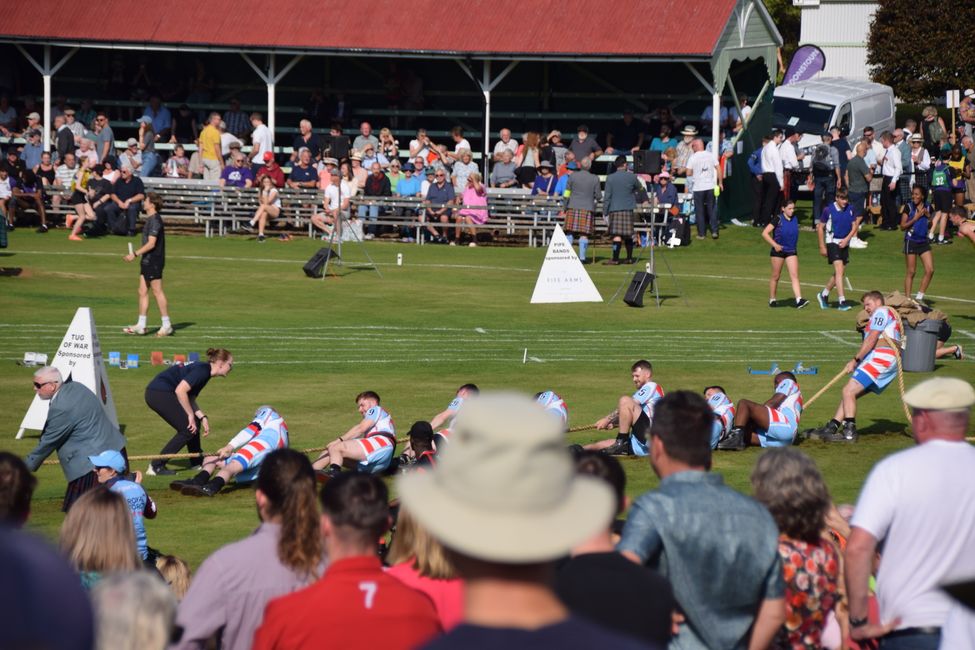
(497, 29)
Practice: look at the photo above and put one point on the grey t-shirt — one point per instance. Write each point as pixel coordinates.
(581, 149)
(502, 173)
(857, 170)
(105, 135)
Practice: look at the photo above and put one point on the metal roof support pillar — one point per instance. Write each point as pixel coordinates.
(486, 84)
(271, 78)
(716, 123)
(47, 72)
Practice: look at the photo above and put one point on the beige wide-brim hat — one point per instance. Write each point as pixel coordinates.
(941, 394)
(505, 489)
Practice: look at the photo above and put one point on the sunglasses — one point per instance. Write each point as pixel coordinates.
(38, 386)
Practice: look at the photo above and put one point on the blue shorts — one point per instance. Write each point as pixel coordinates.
(250, 457)
(638, 446)
(876, 371)
(781, 429)
(716, 430)
(379, 451)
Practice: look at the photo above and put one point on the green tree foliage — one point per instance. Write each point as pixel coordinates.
(919, 48)
(787, 18)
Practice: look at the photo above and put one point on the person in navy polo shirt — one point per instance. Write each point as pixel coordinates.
(836, 227)
(127, 195)
(237, 175)
(782, 232)
(303, 174)
(915, 221)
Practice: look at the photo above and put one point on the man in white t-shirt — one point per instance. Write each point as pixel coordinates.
(790, 161)
(703, 167)
(920, 503)
(505, 143)
(460, 143)
(261, 142)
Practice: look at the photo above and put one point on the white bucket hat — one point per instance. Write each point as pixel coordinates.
(505, 489)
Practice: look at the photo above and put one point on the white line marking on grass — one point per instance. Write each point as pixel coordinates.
(966, 333)
(536, 359)
(839, 340)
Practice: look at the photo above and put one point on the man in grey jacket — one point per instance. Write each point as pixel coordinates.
(582, 190)
(76, 427)
(619, 201)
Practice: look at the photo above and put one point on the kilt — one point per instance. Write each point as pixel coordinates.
(620, 223)
(76, 488)
(578, 221)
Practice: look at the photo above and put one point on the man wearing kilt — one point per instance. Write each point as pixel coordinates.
(619, 201)
(582, 190)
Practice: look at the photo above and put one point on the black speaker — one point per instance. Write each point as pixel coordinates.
(315, 267)
(640, 283)
(646, 162)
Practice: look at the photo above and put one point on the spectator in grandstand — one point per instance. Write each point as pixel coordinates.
(32, 150)
(684, 150)
(704, 170)
(147, 147)
(184, 127)
(86, 149)
(599, 584)
(228, 142)
(237, 121)
(33, 119)
(8, 116)
(507, 563)
(377, 185)
(388, 145)
(303, 174)
(27, 192)
(371, 156)
(439, 197)
(409, 185)
(545, 180)
(460, 143)
(16, 489)
(625, 136)
(77, 128)
(284, 554)
(421, 145)
(238, 174)
(356, 601)
(133, 610)
(359, 172)
(126, 204)
(420, 562)
(110, 467)
(584, 147)
(503, 172)
(395, 174)
(131, 157)
(527, 159)
(505, 143)
(262, 142)
(926, 540)
(13, 164)
(693, 527)
(789, 484)
(63, 139)
(268, 206)
(365, 137)
(306, 140)
(920, 162)
(159, 116)
(326, 172)
(98, 538)
(462, 169)
(46, 174)
(211, 152)
(663, 141)
(475, 194)
(553, 150)
(270, 168)
(172, 395)
(99, 196)
(583, 192)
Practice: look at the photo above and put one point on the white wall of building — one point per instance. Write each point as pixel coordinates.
(840, 28)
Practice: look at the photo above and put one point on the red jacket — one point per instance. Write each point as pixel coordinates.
(275, 172)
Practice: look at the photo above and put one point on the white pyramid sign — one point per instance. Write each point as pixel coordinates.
(79, 358)
(563, 278)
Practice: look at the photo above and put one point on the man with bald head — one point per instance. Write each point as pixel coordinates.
(77, 427)
(920, 503)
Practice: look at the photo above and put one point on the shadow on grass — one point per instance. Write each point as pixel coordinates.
(10, 272)
(182, 326)
(7, 254)
(882, 427)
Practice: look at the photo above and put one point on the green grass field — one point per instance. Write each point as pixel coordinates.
(446, 317)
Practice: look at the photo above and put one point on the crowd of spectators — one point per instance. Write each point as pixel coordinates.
(512, 540)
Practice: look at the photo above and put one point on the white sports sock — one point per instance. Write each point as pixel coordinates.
(824, 293)
(919, 296)
(142, 322)
(842, 298)
(165, 322)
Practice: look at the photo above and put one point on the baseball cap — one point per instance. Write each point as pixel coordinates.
(111, 459)
(132, 142)
(145, 119)
(408, 167)
(268, 156)
(941, 394)
(33, 116)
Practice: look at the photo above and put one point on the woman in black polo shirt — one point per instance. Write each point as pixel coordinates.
(172, 394)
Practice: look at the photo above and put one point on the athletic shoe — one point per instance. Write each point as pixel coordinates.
(699, 237)
(260, 239)
(844, 306)
(621, 447)
(734, 441)
(368, 236)
(846, 433)
(945, 242)
(802, 302)
(472, 244)
(179, 485)
(284, 237)
(824, 432)
(134, 329)
(195, 490)
(161, 470)
(823, 304)
(714, 235)
(958, 353)
(165, 331)
(740, 224)
(247, 226)
(43, 228)
(773, 303)
(856, 242)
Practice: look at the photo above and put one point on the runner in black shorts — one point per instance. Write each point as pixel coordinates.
(782, 233)
(153, 253)
(915, 222)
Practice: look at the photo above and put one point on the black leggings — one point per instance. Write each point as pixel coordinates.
(169, 409)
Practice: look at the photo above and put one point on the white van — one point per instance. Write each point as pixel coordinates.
(811, 107)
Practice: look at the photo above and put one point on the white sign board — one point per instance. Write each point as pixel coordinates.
(952, 99)
(79, 358)
(563, 278)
